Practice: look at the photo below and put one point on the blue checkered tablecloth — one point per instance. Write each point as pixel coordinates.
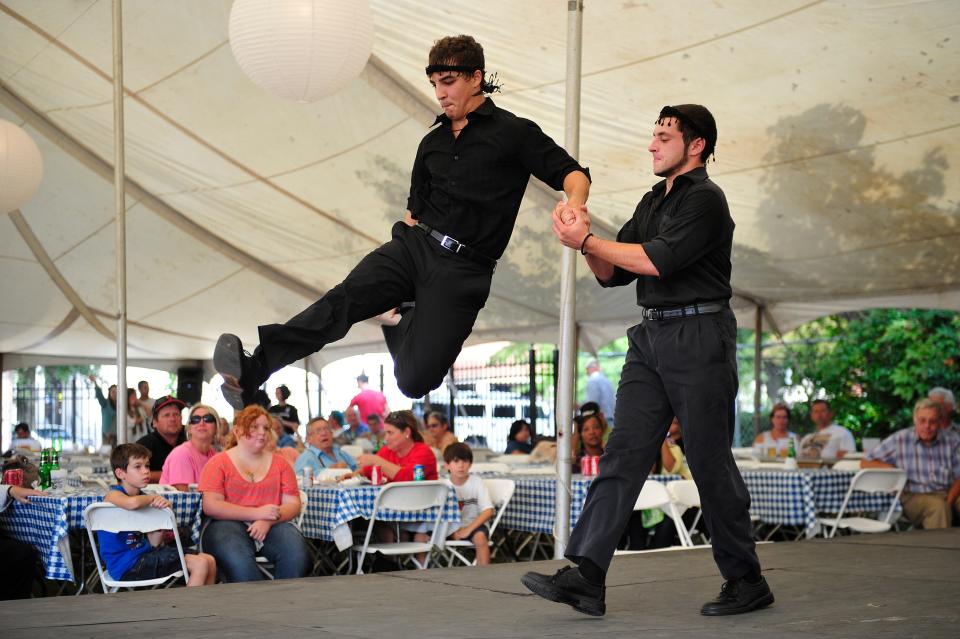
(777, 497)
(332, 506)
(45, 521)
(534, 501)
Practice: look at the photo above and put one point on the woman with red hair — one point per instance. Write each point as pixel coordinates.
(251, 497)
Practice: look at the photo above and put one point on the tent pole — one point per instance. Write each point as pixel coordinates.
(121, 221)
(306, 385)
(757, 356)
(568, 280)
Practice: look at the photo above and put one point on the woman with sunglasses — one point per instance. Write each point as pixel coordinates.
(185, 462)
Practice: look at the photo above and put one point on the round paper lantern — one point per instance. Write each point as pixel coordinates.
(301, 49)
(21, 167)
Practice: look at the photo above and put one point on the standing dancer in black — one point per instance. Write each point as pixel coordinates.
(681, 361)
(469, 177)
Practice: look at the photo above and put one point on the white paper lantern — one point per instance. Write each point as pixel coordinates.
(21, 167)
(301, 49)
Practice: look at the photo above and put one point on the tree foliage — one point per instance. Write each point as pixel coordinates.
(874, 365)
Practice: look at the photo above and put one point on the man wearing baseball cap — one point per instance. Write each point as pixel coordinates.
(681, 361)
(167, 433)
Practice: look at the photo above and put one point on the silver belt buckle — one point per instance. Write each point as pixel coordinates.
(449, 243)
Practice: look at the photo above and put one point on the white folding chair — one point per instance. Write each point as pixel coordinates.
(157, 489)
(501, 492)
(847, 464)
(264, 564)
(654, 495)
(685, 495)
(354, 450)
(110, 518)
(869, 480)
(406, 497)
(489, 467)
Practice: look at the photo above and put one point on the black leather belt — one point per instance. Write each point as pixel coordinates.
(703, 308)
(459, 248)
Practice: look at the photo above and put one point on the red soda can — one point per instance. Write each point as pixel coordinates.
(585, 465)
(594, 465)
(376, 475)
(13, 477)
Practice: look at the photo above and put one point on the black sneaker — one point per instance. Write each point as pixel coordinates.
(568, 586)
(737, 597)
(242, 374)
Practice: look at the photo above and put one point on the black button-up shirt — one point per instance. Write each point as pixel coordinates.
(470, 187)
(159, 448)
(688, 235)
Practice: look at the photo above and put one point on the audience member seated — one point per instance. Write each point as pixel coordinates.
(520, 439)
(438, 430)
(167, 433)
(251, 497)
(321, 452)
(375, 424)
(948, 404)
(776, 441)
(23, 441)
(354, 427)
(589, 427)
(403, 450)
(829, 441)
(931, 457)
(133, 555)
(18, 560)
(476, 507)
(290, 451)
(185, 463)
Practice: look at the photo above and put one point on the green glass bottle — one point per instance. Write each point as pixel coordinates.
(44, 470)
(791, 450)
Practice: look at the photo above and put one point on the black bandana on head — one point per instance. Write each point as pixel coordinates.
(486, 86)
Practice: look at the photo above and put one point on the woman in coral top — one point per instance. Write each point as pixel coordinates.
(251, 497)
(402, 451)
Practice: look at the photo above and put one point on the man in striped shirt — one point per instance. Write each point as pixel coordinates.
(931, 457)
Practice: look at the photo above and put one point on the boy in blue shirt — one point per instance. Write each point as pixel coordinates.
(133, 555)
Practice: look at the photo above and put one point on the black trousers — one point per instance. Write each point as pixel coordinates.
(18, 568)
(448, 290)
(685, 367)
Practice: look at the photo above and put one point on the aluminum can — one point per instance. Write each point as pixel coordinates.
(418, 473)
(585, 465)
(13, 477)
(594, 465)
(307, 476)
(376, 475)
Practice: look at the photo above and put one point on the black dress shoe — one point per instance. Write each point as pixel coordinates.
(242, 373)
(568, 586)
(738, 597)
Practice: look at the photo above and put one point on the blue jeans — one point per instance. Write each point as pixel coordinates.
(235, 552)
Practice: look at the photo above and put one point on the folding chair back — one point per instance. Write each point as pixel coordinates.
(685, 495)
(110, 518)
(655, 495)
(870, 480)
(501, 492)
(403, 497)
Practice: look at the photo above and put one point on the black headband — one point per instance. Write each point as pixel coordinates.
(463, 68)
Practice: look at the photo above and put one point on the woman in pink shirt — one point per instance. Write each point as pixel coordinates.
(251, 497)
(185, 462)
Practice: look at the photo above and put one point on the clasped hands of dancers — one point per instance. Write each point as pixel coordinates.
(429, 282)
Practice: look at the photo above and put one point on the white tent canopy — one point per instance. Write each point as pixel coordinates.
(839, 137)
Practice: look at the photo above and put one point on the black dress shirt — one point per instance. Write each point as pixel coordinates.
(159, 448)
(470, 187)
(688, 235)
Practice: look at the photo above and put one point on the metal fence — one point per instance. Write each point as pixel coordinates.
(483, 400)
(67, 410)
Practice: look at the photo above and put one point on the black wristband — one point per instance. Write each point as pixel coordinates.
(583, 245)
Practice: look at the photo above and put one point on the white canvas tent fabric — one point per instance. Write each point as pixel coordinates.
(839, 138)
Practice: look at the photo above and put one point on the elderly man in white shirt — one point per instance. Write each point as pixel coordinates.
(829, 441)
